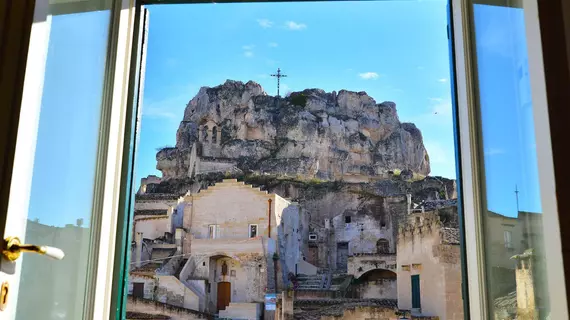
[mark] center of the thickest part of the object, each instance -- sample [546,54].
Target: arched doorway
[224,295]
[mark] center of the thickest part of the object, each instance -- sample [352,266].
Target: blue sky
[506,110]
[393,50]
[62,184]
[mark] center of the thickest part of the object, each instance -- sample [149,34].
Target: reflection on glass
[513,223]
[64,167]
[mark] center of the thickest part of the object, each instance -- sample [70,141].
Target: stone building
[218,250]
[73,239]
[517,266]
[429,267]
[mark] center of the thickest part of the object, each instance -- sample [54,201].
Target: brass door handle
[12,249]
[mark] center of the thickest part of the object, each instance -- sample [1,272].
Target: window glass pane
[513,232]
[63,180]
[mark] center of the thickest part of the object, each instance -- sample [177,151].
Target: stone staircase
[241,311]
[312,282]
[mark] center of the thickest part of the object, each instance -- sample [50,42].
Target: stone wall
[149,284]
[372,218]
[173,292]
[157,308]
[376,289]
[363,263]
[233,206]
[365,313]
[362,233]
[422,251]
[211,165]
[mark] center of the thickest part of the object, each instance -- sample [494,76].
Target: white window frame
[256,230]
[107,196]
[508,237]
[470,166]
[213,231]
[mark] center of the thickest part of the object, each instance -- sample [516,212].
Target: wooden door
[138,290]
[416,296]
[313,256]
[224,291]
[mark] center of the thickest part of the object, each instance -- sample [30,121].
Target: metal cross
[517,197]
[278,75]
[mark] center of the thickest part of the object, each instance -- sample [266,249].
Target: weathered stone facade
[231,237]
[150,308]
[428,247]
[326,182]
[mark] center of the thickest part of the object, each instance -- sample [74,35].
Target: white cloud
[439,112]
[170,108]
[442,80]
[265,23]
[171,62]
[284,88]
[438,154]
[292,25]
[248,50]
[442,108]
[273,44]
[271,62]
[157,112]
[369,75]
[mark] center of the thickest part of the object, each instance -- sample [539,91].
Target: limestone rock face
[311,134]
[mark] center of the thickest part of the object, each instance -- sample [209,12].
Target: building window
[214,231]
[508,239]
[347,219]
[138,290]
[252,230]
[383,246]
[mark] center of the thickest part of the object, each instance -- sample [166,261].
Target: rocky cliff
[310,134]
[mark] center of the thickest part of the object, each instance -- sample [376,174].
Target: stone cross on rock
[278,75]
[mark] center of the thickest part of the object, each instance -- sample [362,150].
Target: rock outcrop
[310,134]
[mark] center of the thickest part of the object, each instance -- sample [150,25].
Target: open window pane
[302,147]
[61,199]
[513,232]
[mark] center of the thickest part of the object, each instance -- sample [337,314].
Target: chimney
[138,250]
[178,238]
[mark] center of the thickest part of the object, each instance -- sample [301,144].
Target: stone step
[242,306]
[241,311]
